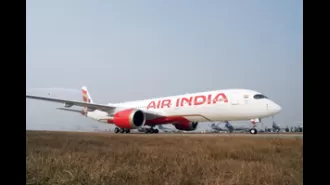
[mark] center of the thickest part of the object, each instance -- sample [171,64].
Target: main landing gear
[148,130]
[122,130]
[151,130]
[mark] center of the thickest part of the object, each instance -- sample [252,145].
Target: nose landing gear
[253,129]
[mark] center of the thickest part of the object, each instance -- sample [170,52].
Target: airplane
[167,130]
[217,128]
[276,127]
[241,129]
[185,112]
[229,128]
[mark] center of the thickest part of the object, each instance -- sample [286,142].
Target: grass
[133,159]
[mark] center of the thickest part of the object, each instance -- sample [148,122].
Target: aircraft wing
[70,103]
[70,110]
[91,106]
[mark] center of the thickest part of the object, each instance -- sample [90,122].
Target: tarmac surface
[259,135]
[161,134]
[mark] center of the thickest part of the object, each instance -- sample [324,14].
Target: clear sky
[127,50]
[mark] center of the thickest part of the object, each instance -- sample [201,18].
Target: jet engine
[187,126]
[129,118]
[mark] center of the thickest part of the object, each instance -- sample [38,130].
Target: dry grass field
[110,159]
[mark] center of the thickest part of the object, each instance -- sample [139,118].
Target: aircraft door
[246,99]
[235,99]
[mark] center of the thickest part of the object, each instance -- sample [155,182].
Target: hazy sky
[127,50]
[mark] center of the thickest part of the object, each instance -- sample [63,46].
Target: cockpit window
[259,96]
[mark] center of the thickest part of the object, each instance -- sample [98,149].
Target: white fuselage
[232,104]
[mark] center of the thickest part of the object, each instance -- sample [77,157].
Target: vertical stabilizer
[86,96]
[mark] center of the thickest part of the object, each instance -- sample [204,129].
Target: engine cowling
[187,126]
[129,118]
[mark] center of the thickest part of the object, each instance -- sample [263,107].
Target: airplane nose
[277,108]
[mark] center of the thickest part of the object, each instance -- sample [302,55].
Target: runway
[251,135]
[259,135]
[140,134]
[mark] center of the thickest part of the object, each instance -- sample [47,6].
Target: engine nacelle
[129,118]
[187,126]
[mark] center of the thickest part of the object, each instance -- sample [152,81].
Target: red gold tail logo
[85,96]
[86,100]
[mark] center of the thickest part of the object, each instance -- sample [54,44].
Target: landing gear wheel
[127,130]
[122,130]
[253,131]
[150,131]
[146,131]
[116,130]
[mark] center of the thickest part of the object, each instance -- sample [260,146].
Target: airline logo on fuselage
[188,101]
